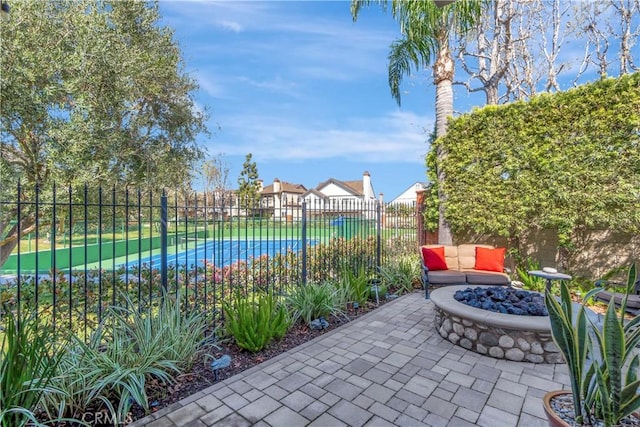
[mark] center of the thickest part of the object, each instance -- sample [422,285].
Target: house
[408,196]
[401,211]
[282,199]
[340,196]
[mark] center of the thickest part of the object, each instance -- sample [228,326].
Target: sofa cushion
[633,301]
[467,256]
[490,259]
[433,258]
[450,255]
[446,277]
[477,277]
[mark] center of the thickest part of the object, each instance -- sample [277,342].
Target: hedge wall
[566,161]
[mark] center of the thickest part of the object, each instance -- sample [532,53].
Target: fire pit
[517,337]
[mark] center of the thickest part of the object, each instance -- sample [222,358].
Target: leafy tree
[91,91]
[215,173]
[248,185]
[427,27]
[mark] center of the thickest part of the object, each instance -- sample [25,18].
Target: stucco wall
[596,251]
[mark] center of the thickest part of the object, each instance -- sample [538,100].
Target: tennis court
[221,253]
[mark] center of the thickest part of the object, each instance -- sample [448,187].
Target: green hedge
[565,161]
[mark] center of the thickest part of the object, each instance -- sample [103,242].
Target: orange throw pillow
[434,258]
[490,259]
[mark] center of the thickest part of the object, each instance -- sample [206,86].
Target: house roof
[354,187]
[285,187]
[357,186]
[316,193]
[410,190]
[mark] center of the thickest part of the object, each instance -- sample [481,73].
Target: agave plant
[602,361]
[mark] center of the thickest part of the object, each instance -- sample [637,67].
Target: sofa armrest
[604,284]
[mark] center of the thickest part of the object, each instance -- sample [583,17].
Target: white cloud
[323,47]
[231,26]
[277,85]
[394,137]
[295,88]
[208,84]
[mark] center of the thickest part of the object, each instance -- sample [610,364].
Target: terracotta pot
[552,417]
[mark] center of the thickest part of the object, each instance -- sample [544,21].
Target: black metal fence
[74,253]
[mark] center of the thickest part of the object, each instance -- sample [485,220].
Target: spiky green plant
[29,357]
[128,348]
[572,338]
[602,362]
[529,282]
[401,273]
[255,320]
[313,301]
[354,284]
[613,377]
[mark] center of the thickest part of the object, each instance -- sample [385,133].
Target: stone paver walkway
[389,367]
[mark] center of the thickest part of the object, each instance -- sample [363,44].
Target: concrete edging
[502,336]
[443,299]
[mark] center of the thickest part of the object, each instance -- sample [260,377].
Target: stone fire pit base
[503,336]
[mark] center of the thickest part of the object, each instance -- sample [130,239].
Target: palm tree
[426,28]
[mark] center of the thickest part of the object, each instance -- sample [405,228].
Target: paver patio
[389,367]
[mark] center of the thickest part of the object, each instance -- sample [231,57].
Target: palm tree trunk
[443,70]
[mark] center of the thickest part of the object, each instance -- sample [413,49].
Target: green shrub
[401,273]
[529,282]
[354,285]
[313,301]
[127,349]
[382,292]
[254,321]
[29,358]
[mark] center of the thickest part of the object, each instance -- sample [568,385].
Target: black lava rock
[506,300]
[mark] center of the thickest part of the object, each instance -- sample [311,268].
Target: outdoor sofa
[633,300]
[468,264]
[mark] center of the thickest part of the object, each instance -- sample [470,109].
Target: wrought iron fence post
[18,264]
[52,242]
[303,237]
[37,263]
[163,243]
[379,237]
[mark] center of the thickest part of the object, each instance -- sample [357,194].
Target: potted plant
[602,361]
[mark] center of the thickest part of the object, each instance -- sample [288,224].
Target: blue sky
[304,89]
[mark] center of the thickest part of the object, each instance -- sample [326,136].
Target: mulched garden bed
[202,376]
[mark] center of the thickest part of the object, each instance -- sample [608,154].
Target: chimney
[367,190]
[276,186]
[259,181]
